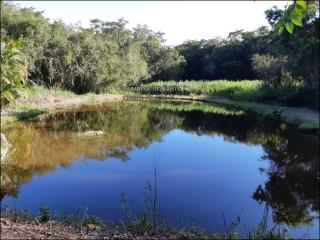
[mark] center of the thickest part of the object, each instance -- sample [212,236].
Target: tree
[13,70]
[272,69]
[108,53]
[32,28]
[89,59]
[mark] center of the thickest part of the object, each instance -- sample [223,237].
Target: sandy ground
[32,230]
[50,102]
[56,230]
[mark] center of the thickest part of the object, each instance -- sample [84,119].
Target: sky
[179,20]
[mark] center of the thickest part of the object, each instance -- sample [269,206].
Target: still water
[208,159]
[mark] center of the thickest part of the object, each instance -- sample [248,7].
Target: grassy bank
[246,94]
[33,101]
[245,90]
[241,94]
[303,118]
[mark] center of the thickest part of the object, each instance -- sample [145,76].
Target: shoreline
[24,109]
[19,224]
[55,229]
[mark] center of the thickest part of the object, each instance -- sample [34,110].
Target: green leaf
[289,26]
[296,21]
[280,29]
[298,11]
[302,4]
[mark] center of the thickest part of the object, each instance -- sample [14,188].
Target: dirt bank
[33,230]
[58,230]
[53,102]
[304,118]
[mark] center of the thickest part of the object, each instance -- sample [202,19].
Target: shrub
[274,70]
[44,213]
[13,70]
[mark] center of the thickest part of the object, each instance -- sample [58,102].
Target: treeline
[88,59]
[109,54]
[282,60]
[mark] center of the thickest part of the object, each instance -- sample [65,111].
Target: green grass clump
[231,89]
[44,213]
[42,91]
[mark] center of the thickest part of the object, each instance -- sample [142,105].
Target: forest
[108,54]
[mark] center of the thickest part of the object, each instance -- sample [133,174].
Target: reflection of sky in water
[198,176]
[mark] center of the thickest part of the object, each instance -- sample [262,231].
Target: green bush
[13,70]
[44,213]
[273,70]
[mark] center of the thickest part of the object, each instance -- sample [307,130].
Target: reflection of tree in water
[43,146]
[293,177]
[8,185]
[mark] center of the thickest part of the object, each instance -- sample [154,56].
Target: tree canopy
[88,59]
[108,53]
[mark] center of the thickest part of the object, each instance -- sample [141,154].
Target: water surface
[208,158]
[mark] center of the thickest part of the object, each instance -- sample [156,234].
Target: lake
[207,159]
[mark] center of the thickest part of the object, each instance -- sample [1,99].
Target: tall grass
[245,90]
[42,91]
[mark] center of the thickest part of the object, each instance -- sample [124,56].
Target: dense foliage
[13,70]
[88,59]
[292,16]
[281,59]
[109,54]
